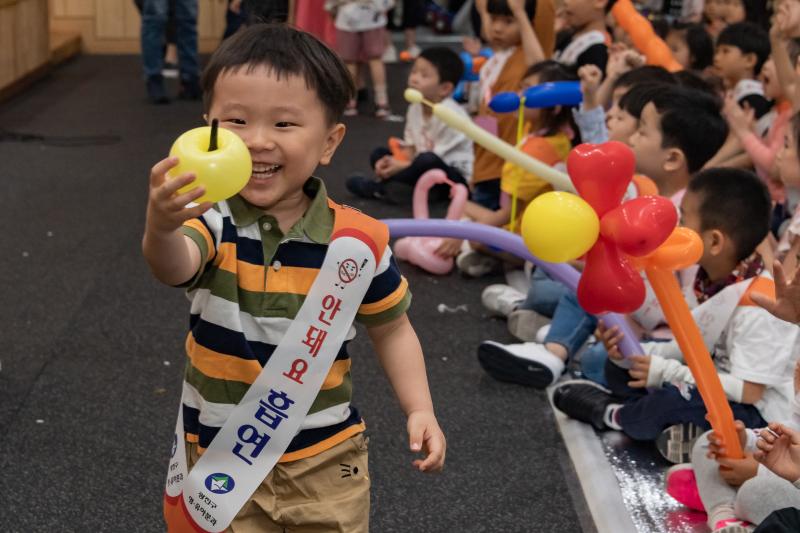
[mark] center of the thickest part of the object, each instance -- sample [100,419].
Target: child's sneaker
[475,264]
[364,187]
[682,485]
[527,364]
[583,400]
[525,325]
[501,300]
[384,112]
[676,442]
[733,525]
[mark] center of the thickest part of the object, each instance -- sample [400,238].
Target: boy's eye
[283,124]
[239,121]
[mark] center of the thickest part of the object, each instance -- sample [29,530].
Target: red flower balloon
[601,174]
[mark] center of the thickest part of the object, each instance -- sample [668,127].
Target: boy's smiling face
[285,126]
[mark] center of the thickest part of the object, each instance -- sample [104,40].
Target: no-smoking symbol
[348,270]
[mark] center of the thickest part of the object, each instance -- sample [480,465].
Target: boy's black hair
[633,101]
[699,42]
[500,7]
[735,202]
[284,51]
[447,63]
[750,39]
[645,74]
[692,80]
[691,121]
[756,11]
[553,119]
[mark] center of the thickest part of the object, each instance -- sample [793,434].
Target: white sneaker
[529,364]
[475,264]
[414,52]
[524,324]
[501,300]
[390,54]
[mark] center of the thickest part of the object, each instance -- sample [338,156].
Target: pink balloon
[420,251]
[601,173]
[609,282]
[641,225]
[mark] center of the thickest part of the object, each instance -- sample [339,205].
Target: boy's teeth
[265,168]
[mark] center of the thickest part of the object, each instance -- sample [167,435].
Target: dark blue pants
[420,165]
[645,415]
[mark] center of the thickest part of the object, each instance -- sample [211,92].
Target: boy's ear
[716,242]
[750,60]
[675,160]
[332,141]
[205,118]
[446,88]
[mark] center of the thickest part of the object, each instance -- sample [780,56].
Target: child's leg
[544,294]
[487,194]
[421,164]
[378,72]
[570,328]
[764,494]
[378,154]
[593,363]
[718,497]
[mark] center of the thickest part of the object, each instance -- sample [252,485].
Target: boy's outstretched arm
[400,355]
[173,258]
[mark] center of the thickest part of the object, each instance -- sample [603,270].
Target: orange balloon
[654,49]
[681,249]
[396,147]
[644,185]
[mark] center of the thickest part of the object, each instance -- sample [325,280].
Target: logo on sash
[220,483]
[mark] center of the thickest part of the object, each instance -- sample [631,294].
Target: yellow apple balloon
[218,157]
[559,227]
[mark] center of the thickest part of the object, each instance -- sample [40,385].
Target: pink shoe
[682,486]
[733,525]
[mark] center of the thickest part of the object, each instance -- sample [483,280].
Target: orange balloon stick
[682,249]
[654,49]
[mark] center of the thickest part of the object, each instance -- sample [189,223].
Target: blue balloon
[468,66]
[504,102]
[511,243]
[553,93]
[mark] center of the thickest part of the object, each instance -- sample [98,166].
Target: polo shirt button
[276,265]
[267,226]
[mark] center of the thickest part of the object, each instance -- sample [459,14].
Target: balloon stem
[212,143]
[520,125]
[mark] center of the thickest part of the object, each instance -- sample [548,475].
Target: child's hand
[426,436]
[590,76]
[235,6]
[715,447]
[622,59]
[449,248]
[482,6]
[786,305]
[740,120]
[780,454]
[517,7]
[737,471]
[610,337]
[471,45]
[639,370]
[166,210]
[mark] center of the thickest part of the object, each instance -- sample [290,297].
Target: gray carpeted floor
[92,353]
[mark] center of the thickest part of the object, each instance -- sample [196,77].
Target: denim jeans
[154,20]
[571,325]
[544,294]
[593,363]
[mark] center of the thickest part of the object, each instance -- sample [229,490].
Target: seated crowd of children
[720,139]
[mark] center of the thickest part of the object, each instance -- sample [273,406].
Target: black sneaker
[583,400]
[190,89]
[523,364]
[676,442]
[155,90]
[365,188]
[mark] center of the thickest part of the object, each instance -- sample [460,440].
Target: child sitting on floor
[428,142]
[678,131]
[753,351]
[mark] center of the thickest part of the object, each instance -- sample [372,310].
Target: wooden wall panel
[7,67]
[24,39]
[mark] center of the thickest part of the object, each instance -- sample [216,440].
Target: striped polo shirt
[251,286]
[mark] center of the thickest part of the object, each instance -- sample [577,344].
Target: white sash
[260,428]
[714,314]
[578,45]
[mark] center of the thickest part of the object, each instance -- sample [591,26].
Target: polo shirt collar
[316,223]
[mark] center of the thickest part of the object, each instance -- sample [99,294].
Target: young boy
[429,142]
[678,131]
[248,264]
[741,51]
[753,351]
[589,41]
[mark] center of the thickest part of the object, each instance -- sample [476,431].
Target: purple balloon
[511,243]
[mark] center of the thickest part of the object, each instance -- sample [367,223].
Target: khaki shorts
[324,493]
